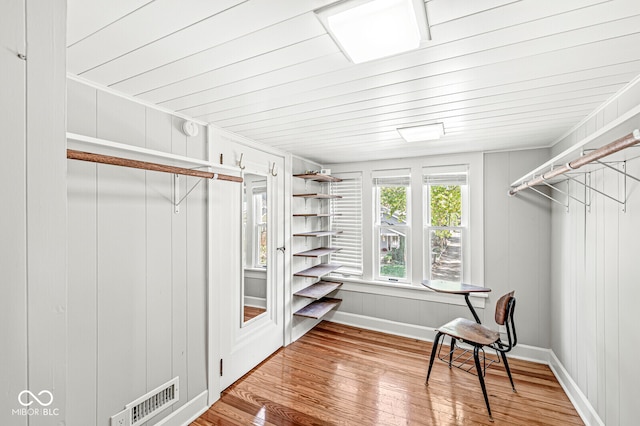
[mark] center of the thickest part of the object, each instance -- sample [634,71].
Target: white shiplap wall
[33,225]
[594,278]
[137,270]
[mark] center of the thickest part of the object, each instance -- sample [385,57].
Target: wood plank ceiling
[500,74]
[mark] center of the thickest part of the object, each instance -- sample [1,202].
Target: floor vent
[149,405]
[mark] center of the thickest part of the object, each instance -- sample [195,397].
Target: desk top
[454,288]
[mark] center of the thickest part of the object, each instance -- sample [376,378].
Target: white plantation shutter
[348,219]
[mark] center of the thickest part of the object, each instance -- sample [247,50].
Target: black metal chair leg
[506,367]
[481,378]
[433,355]
[453,346]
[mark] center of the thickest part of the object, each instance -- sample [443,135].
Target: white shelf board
[81,142]
[107,147]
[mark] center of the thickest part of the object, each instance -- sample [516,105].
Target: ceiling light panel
[370,29]
[422,133]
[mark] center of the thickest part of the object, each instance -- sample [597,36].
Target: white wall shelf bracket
[622,202]
[566,206]
[176,193]
[585,203]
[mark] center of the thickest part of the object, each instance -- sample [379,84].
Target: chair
[479,336]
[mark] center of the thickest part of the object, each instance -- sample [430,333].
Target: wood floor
[340,375]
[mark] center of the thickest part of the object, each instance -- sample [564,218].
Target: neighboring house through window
[392,230]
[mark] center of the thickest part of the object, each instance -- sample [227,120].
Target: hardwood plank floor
[341,375]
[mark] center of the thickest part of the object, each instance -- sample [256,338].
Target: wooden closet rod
[611,148]
[117,161]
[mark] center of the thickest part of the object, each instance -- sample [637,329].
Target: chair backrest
[504,316]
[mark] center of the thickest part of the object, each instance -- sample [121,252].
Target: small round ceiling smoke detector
[190,128]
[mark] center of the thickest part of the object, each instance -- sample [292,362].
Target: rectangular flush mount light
[370,29]
[422,133]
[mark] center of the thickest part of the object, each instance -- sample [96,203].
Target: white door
[251,276]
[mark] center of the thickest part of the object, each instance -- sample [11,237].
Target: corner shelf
[318,196]
[317,177]
[317,304]
[318,290]
[318,271]
[317,252]
[318,309]
[316,233]
[315,214]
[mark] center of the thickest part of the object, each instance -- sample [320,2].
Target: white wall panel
[82,290]
[120,120]
[159,212]
[197,286]
[594,278]
[144,321]
[629,295]
[613,343]
[13,226]
[122,307]
[179,288]
[46,203]
[81,109]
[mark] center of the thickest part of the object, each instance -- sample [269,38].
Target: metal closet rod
[124,162]
[611,148]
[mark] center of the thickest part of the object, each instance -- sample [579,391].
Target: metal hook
[273,170]
[239,162]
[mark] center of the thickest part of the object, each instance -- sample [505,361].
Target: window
[254,222]
[347,217]
[260,226]
[446,222]
[392,228]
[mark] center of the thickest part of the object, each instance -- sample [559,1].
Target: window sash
[456,175]
[391,179]
[399,229]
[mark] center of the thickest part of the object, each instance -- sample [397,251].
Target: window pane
[393,253]
[260,219]
[446,254]
[445,205]
[392,205]
[262,244]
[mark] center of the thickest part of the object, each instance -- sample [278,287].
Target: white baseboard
[255,302]
[523,352]
[576,396]
[188,412]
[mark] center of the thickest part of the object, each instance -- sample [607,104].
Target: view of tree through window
[445,231]
[260,203]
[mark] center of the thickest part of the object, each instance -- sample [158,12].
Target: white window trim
[414,289]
